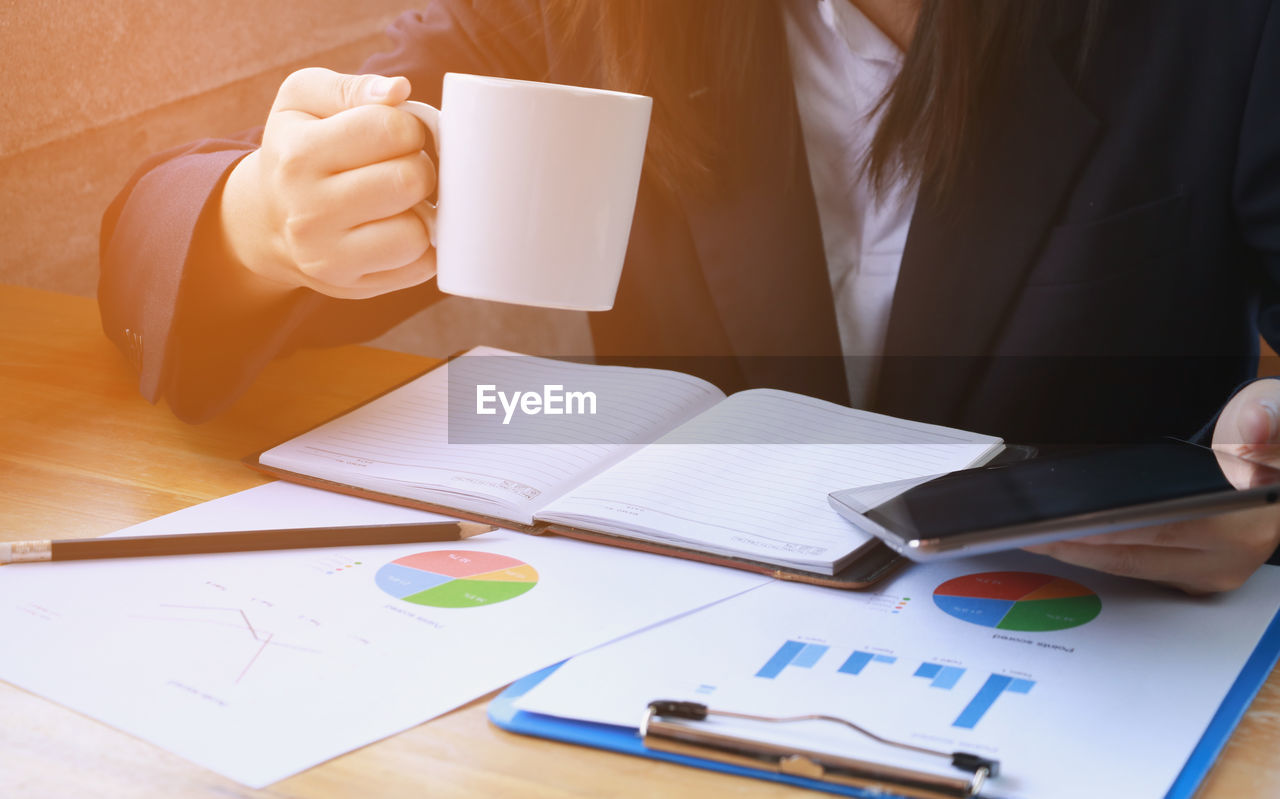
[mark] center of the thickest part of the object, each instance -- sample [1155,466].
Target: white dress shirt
[843,64]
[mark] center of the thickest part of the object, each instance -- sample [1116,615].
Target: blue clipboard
[503,713]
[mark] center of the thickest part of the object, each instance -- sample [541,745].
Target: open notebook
[668,458]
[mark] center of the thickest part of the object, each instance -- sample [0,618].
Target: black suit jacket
[1098,273]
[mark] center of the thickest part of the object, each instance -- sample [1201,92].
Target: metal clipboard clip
[662,729]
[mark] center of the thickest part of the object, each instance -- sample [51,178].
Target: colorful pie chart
[1021,601]
[456,578]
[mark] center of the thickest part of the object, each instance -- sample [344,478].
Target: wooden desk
[81,455]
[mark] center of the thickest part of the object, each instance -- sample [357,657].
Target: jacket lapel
[761,256]
[965,262]
[760,249]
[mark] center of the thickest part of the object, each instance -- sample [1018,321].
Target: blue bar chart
[894,673]
[940,676]
[858,661]
[987,695]
[792,653]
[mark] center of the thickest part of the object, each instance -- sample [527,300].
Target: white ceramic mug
[536,189]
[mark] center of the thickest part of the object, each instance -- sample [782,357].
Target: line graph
[233,618]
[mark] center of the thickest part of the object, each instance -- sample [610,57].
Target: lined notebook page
[751,476]
[399,444]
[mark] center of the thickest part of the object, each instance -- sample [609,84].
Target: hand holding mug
[326,201]
[538,187]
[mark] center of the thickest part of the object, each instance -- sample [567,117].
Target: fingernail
[381,87]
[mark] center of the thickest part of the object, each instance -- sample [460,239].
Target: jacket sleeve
[1257,178]
[160,248]
[1257,181]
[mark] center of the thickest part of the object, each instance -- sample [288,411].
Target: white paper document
[259,665]
[1080,684]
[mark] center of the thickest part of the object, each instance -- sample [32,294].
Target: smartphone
[1050,498]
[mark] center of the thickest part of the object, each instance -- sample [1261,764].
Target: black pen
[236,541]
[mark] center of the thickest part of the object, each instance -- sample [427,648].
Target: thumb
[1249,428]
[322,93]
[1259,422]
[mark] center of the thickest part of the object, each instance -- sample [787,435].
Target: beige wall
[92,87]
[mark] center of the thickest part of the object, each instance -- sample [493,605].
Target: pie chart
[1021,601]
[456,578]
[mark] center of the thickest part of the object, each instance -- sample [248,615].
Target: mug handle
[430,116]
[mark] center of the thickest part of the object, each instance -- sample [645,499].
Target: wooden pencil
[235,541]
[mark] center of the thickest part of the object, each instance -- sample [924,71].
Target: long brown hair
[710,64]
